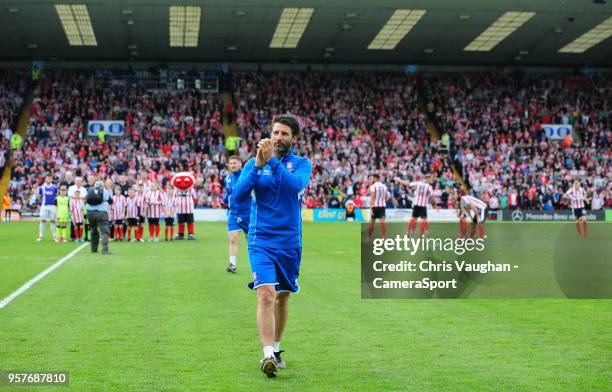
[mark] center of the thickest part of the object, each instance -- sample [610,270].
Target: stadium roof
[334,31]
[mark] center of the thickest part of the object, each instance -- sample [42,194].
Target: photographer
[98,200]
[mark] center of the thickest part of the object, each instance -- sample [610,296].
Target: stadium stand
[494,121]
[355,124]
[165,131]
[12,89]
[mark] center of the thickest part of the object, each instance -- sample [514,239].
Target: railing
[203,81]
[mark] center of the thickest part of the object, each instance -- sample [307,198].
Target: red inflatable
[183,180]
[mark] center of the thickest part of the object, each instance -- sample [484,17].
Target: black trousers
[98,220]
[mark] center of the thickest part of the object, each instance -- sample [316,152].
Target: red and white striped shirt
[131,207]
[140,201]
[146,185]
[422,193]
[513,200]
[169,209]
[184,201]
[76,210]
[379,191]
[153,200]
[474,202]
[577,197]
[118,207]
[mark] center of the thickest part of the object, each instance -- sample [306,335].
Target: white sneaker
[156,240]
[280,363]
[133,240]
[65,241]
[39,239]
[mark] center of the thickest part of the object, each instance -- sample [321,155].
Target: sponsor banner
[14,216]
[111,128]
[442,215]
[557,131]
[210,215]
[25,216]
[397,214]
[364,213]
[307,215]
[338,215]
[329,214]
[391,215]
[494,215]
[548,216]
[433,215]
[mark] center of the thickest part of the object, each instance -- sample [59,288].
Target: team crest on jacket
[289,166]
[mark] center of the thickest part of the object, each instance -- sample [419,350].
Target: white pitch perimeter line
[38,277]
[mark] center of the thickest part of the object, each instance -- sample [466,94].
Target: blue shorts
[237,223]
[278,267]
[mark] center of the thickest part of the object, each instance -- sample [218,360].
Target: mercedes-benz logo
[517,215]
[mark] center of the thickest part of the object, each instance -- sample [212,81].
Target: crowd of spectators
[354,125]
[165,131]
[494,123]
[13,85]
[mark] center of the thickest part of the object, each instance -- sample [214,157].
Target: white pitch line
[38,277]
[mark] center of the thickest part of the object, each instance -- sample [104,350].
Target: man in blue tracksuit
[238,213]
[276,179]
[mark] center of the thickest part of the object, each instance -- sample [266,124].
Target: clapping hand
[259,159]
[264,152]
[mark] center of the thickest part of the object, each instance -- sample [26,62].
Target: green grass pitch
[167,317]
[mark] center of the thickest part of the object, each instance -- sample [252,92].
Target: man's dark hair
[376,177]
[290,121]
[236,157]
